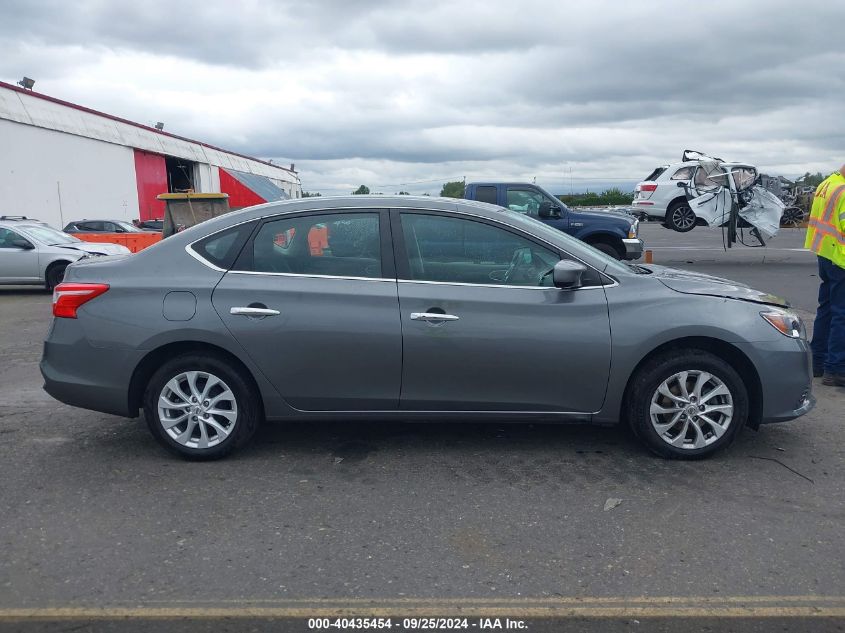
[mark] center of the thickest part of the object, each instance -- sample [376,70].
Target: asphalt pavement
[97,523]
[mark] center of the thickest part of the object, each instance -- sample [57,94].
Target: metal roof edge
[112,117]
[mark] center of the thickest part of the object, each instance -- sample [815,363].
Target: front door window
[456,250]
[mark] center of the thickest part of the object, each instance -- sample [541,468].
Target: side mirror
[24,244]
[567,274]
[545,210]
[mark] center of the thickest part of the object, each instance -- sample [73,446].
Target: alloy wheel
[197,409]
[691,409]
[683,217]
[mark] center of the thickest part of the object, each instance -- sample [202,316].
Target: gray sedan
[415,309]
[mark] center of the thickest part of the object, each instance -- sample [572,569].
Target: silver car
[32,253]
[415,309]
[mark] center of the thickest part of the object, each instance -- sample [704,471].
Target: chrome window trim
[310,276]
[200,258]
[462,212]
[462,283]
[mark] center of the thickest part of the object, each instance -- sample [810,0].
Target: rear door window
[486,193]
[333,244]
[684,173]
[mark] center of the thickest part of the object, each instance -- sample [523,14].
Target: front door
[314,303]
[17,264]
[483,327]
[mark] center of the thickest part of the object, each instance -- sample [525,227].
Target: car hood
[692,283]
[96,248]
[618,215]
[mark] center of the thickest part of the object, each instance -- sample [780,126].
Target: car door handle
[432,316]
[253,312]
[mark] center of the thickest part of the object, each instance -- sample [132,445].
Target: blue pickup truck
[613,233]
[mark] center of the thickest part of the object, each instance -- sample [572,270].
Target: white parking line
[714,248]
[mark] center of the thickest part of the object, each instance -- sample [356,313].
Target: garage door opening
[180,175]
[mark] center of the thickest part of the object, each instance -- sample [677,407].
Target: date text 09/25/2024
[416,624]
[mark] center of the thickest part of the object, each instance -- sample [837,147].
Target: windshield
[49,235]
[128,227]
[571,244]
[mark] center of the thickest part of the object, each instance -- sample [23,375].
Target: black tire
[679,217]
[645,383]
[607,249]
[55,274]
[249,411]
[792,217]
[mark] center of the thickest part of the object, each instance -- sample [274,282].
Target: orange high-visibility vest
[826,227]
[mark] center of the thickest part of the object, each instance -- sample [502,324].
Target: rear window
[655,174]
[221,249]
[486,194]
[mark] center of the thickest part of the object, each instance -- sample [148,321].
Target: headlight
[632,232]
[786,322]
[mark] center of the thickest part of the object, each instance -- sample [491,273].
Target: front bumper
[786,378]
[633,248]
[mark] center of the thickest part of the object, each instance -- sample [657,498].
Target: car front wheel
[55,275]
[197,406]
[607,249]
[687,405]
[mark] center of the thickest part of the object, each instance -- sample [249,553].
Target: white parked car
[659,197]
[32,253]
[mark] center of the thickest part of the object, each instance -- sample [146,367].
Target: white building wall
[38,167]
[32,110]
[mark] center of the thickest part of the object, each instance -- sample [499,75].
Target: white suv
[659,196]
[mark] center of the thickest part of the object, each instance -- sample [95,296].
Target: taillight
[68,297]
[645,191]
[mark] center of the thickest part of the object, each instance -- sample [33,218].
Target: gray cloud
[410,87]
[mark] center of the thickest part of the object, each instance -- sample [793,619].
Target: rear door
[313,301]
[483,327]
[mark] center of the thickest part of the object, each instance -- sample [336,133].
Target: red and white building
[61,162]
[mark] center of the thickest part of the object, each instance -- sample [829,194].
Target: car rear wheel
[197,406]
[687,404]
[680,217]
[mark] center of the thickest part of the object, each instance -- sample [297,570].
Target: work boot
[818,372]
[833,380]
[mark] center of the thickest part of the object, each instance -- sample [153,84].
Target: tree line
[455,189]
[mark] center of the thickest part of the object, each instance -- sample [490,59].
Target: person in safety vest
[826,238]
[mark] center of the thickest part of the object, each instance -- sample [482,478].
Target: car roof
[17,224]
[348,204]
[98,220]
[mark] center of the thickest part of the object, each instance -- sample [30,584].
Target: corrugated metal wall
[58,177]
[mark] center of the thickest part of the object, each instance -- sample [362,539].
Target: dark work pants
[829,329]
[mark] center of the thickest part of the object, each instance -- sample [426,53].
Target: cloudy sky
[405,95]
